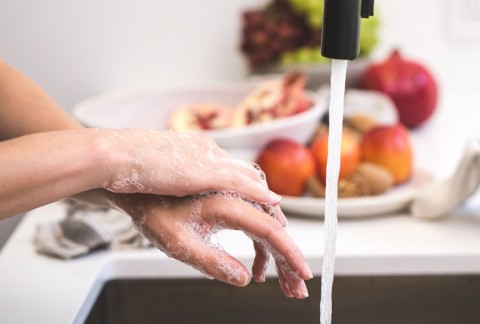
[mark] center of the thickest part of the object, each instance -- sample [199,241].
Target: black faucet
[341,27]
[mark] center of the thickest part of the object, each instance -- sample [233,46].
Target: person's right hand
[179,164]
[183,227]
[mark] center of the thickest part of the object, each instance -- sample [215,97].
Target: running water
[337,93]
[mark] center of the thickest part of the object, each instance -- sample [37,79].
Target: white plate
[151,108]
[394,200]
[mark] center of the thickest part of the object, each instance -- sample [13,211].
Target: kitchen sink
[368,299]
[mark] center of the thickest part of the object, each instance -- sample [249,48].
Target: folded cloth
[85,229]
[438,199]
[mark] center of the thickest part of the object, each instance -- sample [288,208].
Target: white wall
[79,48]
[76,49]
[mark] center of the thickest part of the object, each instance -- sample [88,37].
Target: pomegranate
[409,84]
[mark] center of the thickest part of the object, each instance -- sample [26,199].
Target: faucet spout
[341,27]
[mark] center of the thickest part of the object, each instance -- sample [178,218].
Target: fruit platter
[394,200]
[377,173]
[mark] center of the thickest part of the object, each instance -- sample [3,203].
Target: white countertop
[37,288]
[34,286]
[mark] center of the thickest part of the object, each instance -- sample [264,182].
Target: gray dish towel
[85,229]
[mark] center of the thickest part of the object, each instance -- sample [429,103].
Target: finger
[246,179]
[190,241]
[284,285]
[217,263]
[280,216]
[261,227]
[209,259]
[260,262]
[219,179]
[292,286]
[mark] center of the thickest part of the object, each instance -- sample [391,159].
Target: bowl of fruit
[239,117]
[377,173]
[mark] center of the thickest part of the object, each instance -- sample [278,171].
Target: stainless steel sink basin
[406,299]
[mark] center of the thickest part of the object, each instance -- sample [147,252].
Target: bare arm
[40,168]
[26,163]
[46,155]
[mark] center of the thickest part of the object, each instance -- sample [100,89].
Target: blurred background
[78,49]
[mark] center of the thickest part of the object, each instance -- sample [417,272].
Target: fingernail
[308,272]
[290,293]
[243,279]
[260,278]
[303,290]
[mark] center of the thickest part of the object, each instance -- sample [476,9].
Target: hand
[182,227]
[179,164]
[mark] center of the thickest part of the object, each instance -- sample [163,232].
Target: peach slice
[198,117]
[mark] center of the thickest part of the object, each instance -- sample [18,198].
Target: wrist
[107,199]
[113,161]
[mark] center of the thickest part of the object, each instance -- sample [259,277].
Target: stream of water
[337,93]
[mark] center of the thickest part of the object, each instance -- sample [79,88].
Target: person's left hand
[182,227]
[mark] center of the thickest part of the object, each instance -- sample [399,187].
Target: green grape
[315,20]
[312,10]
[369,35]
[303,55]
[298,5]
[288,58]
[314,6]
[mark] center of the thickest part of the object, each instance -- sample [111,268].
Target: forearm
[25,108]
[41,168]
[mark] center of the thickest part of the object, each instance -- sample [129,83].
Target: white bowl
[151,109]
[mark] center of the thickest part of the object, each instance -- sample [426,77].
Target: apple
[350,155]
[287,165]
[390,147]
[409,84]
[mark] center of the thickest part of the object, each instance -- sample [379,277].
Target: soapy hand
[179,164]
[183,227]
